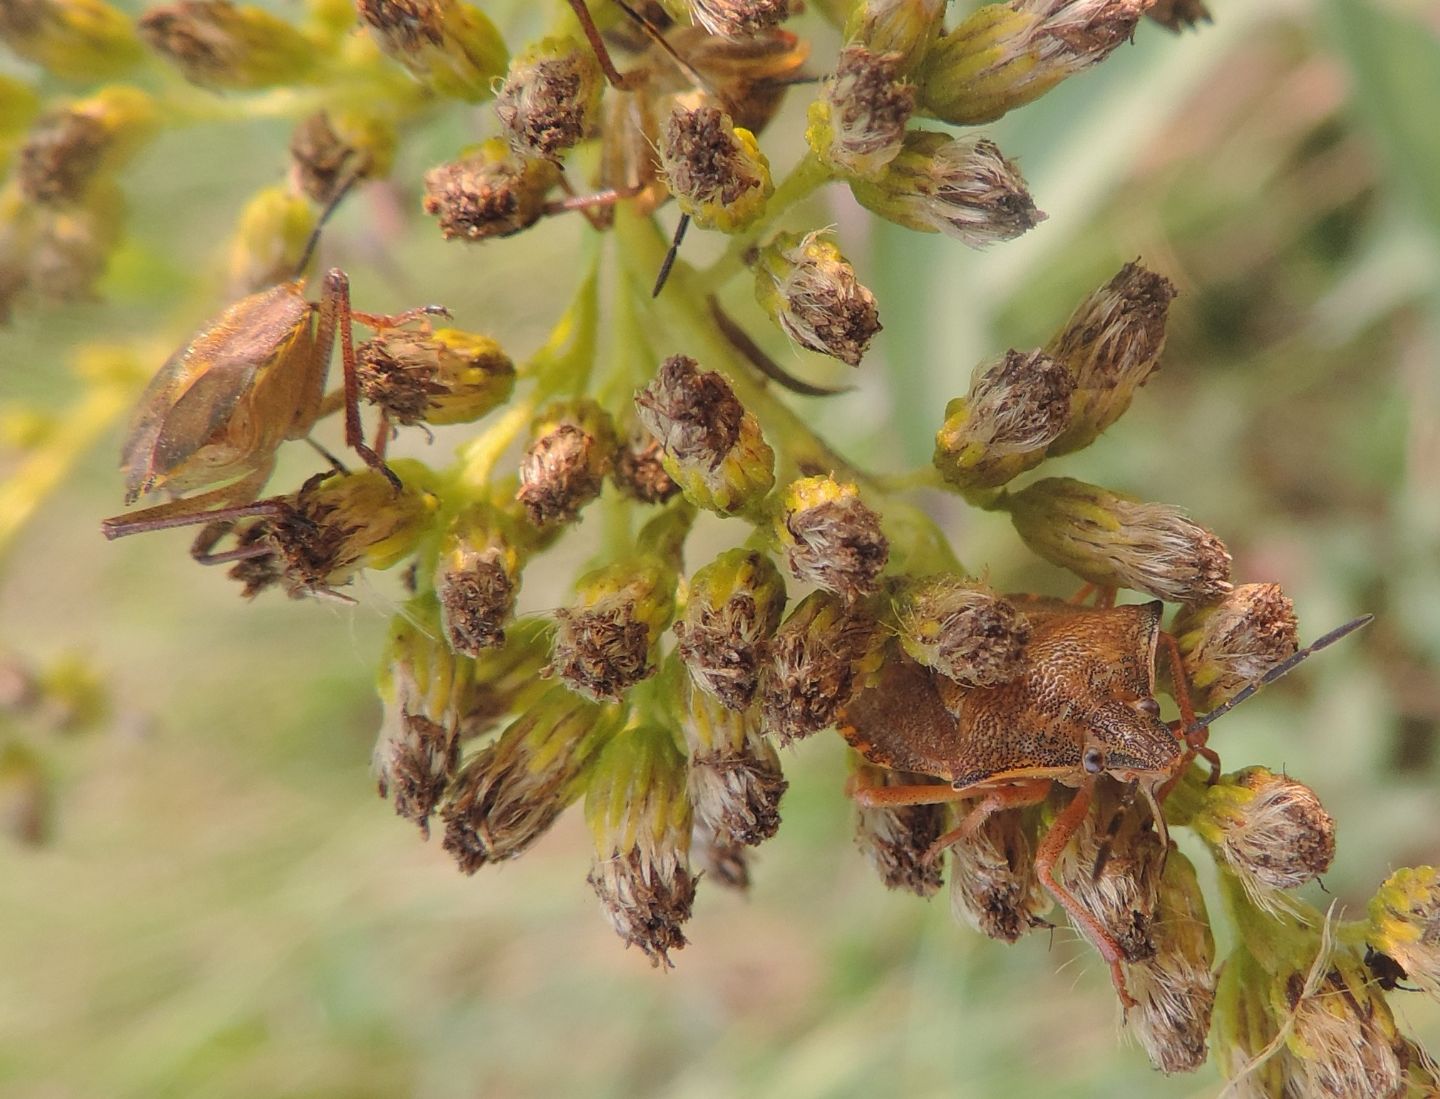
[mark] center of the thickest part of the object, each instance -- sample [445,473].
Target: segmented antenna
[351,178]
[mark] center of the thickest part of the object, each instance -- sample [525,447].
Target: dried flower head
[857,126]
[639,470]
[712,445]
[810,290]
[331,147]
[734,606]
[714,168]
[962,630]
[1015,408]
[963,188]
[1111,345]
[815,663]
[735,780]
[605,643]
[1404,924]
[218,44]
[1117,541]
[1271,831]
[550,100]
[639,814]
[895,841]
[1175,989]
[573,445]
[477,577]
[1230,644]
[488,193]
[1006,55]
[507,794]
[830,538]
[420,685]
[70,146]
[993,884]
[441,377]
[448,45]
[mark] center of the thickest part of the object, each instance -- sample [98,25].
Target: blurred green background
[223,908]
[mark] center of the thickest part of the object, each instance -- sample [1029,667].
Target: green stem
[804,178]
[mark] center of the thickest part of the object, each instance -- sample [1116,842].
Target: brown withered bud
[810,290]
[858,123]
[490,193]
[1175,989]
[734,778]
[605,641]
[506,795]
[564,467]
[993,884]
[830,538]
[60,156]
[895,840]
[1178,15]
[1113,867]
[726,863]
[813,665]
[551,98]
[415,375]
[738,17]
[327,150]
[714,169]
[734,605]
[1270,830]
[962,630]
[640,474]
[1228,645]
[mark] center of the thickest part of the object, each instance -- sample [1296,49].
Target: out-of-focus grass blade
[1395,63]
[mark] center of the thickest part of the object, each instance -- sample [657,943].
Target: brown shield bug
[1082,706]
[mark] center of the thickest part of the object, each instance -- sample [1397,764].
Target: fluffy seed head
[894,840]
[963,188]
[441,377]
[1230,644]
[735,780]
[857,125]
[733,608]
[963,630]
[715,169]
[489,193]
[1015,407]
[830,538]
[810,290]
[1117,541]
[814,665]
[993,884]
[551,98]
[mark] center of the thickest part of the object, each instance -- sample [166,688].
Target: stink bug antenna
[1283,668]
[351,178]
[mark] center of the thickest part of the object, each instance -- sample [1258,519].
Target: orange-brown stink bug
[248,380]
[1083,705]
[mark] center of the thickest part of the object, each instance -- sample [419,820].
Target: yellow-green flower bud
[1015,408]
[219,44]
[19,104]
[815,662]
[735,780]
[1228,645]
[895,840]
[74,39]
[269,240]
[329,148]
[551,98]
[962,629]
[732,17]
[420,684]
[488,193]
[1111,345]
[857,126]
[606,642]
[993,884]
[830,538]
[506,680]
[447,376]
[906,28]
[1270,830]
[1405,926]
[572,446]
[1175,989]
[70,146]
[810,291]
[25,795]
[448,45]
[963,188]
[1245,1028]
[712,445]
[1005,55]
[335,526]
[734,606]
[714,168]
[507,794]
[477,578]
[640,817]
[1118,541]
